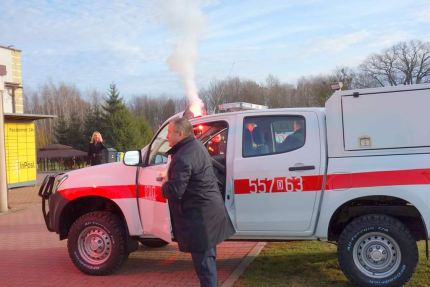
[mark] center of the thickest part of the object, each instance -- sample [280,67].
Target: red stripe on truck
[378,178]
[334,181]
[278,184]
[263,185]
[115,192]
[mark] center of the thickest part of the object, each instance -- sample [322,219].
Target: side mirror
[132,158]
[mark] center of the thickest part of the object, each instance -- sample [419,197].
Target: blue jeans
[205,267]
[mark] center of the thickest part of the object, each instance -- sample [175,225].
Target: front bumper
[52,203]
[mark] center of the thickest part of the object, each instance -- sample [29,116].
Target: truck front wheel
[377,250]
[97,243]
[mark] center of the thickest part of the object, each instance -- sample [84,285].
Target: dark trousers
[205,267]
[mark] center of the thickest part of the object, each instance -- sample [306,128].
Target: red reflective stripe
[312,182]
[378,178]
[241,186]
[151,192]
[114,192]
[352,180]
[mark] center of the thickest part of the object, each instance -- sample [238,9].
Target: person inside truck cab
[296,139]
[254,140]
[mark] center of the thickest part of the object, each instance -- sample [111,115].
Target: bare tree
[232,90]
[314,90]
[277,94]
[154,110]
[213,96]
[402,64]
[344,75]
[61,100]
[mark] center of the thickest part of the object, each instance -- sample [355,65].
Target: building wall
[17,78]
[20,137]
[11,58]
[6,59]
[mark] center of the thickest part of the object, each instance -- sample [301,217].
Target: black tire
[377,250]
[97,243]
[153,242]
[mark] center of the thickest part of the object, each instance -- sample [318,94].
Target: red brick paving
[32,256]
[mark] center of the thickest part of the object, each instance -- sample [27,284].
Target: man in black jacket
[296,139]
[199,217]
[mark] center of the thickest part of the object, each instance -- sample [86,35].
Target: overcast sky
[93,43]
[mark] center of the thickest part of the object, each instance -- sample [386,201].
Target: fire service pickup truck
[356,172]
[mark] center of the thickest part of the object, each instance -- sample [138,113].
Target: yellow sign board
[20,153]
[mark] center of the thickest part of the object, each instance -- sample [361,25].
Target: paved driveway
[32,256]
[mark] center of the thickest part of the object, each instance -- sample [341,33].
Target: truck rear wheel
[97,243]
[377,250]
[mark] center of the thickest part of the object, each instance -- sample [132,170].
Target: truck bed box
[378,119]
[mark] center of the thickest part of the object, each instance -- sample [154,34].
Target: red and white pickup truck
[356,172]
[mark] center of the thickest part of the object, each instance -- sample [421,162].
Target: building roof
[59,151]
[27,117]
[10,47]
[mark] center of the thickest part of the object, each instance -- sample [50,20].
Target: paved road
[32,256]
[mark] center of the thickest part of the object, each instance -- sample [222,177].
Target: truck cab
[240,143]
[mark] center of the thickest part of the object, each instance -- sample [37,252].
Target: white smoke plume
[187,21]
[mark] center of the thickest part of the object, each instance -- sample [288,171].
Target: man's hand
[162,177]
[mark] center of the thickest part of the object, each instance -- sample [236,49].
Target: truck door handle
[303,167]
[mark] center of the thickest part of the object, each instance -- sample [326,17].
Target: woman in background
[95,149]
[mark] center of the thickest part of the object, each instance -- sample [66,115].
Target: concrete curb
[244,264]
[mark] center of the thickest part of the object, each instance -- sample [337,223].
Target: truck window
[159,147]
[214,136]
[271,135]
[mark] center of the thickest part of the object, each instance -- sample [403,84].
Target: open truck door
[153,207]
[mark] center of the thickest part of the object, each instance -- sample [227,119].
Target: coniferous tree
[75,137]
[145,131]
[120,127]
[113,102]
[60,130]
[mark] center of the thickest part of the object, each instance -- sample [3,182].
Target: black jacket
[293,141]
[199,217]
[95,153]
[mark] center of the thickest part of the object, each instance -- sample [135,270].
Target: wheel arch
[82,205]
[396,207]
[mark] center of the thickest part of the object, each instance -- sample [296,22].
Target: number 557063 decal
[268,185]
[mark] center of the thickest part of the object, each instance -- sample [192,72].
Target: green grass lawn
[310,263]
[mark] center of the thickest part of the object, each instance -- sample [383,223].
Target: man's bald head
[178,129]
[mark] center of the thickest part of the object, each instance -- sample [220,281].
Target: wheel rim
[377,255]
[94,245]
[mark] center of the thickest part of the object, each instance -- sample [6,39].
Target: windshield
[159,147]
